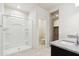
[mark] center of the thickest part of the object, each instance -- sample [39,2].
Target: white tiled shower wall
[16,13]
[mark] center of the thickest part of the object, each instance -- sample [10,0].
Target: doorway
[55,25]
[42,32]
[55,33]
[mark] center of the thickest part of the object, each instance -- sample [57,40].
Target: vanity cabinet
[57,51]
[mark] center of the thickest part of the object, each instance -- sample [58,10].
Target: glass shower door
[15,34]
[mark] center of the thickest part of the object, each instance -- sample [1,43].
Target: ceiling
[49,6]
[26,7]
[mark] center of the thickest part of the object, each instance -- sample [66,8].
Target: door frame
[46,31]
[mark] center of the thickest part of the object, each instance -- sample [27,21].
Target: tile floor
[34,52]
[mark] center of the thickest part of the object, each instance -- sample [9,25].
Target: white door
[15,32]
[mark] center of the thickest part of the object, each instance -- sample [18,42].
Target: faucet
[75,36]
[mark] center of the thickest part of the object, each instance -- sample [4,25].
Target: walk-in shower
[16,34]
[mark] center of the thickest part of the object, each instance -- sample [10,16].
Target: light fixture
[18,7]
[57,15]
[77,4]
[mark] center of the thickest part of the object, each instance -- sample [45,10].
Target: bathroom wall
[14,12]
[56,22]
[66,11]
[71,26]
[33,17]
[1,41]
